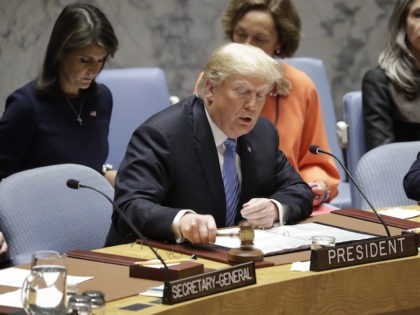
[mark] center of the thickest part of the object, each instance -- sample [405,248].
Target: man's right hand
[198,228]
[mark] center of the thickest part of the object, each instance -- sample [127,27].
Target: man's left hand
[261,212]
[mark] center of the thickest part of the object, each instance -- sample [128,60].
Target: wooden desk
[378,288]
[389,287]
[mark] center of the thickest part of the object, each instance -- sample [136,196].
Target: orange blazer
[299,121]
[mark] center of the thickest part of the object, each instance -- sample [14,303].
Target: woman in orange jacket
[294,107]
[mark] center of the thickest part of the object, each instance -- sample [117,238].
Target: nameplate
[416,232]
[209,283]
[362,252]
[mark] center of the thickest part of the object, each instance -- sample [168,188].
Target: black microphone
[75,184]
[314,149]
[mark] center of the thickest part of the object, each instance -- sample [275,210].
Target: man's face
[234,104]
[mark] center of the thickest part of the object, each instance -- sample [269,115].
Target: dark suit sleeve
[412,181]
[16,132]
[377,109]
[142,185]
[291,191]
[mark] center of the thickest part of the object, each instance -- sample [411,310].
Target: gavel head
[246,234]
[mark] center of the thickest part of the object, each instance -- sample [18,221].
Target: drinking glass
[44,290]
[318,242]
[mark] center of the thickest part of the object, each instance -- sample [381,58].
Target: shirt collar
[218,135]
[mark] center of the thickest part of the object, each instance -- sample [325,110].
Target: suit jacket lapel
[207,154]
[249,173]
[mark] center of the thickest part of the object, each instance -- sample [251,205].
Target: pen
[157,262]
[227,234]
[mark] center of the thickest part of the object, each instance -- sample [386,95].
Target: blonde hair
[235,59]
[396,59]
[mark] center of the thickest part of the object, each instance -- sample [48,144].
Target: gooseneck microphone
[314,149]
[75,184]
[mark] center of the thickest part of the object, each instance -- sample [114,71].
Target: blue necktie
[230,181]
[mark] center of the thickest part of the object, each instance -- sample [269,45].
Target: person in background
[209,161]
[63,115]
[293,106]
[411,180]
[391,90]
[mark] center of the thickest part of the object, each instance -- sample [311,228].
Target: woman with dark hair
[294,106]
[63,115]
[391,98]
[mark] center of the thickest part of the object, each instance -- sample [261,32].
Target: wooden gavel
[245,234]
[246,252]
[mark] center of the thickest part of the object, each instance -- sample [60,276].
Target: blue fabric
[380,173]
[353,115]
[138,93]
[38,211]
[230,181]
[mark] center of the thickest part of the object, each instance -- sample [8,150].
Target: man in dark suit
[171,181]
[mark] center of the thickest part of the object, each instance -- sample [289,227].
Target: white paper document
[400,213]
[11,299]
[300,266]
[285,238]
[14,277]
[154,291]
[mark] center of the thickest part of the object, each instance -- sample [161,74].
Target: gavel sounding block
[246,252]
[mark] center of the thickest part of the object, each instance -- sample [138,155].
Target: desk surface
[383,287]
[376,288]
[388,287]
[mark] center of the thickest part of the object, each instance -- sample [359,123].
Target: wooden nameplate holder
[362,252]
[212,282]
[416,232]
[370,216]
[176,271]
[245,253]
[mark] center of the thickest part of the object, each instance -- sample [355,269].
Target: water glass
[44,290]
[318,242]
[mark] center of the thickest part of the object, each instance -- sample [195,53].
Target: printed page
[286,238]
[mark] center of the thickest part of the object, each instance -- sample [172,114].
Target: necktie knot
[230,145]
